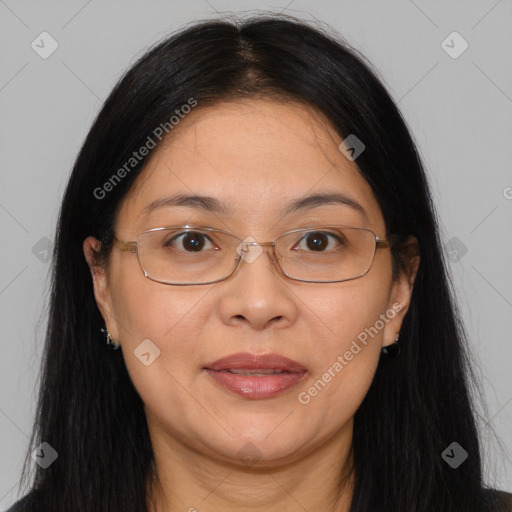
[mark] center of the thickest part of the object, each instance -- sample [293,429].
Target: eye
[319,241]
[191,241]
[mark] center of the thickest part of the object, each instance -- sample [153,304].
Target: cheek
[173,319]
[346,311]
[162,321]
[147,309]
[347,354]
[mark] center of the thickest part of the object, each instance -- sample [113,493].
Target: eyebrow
[322,199]
[210,204]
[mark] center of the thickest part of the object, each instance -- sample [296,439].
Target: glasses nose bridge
[273,254]
[259,243]
[263,244]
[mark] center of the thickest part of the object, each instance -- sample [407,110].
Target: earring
[109,342]
[393,350]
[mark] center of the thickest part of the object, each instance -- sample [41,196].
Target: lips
[256,376]
[246,361]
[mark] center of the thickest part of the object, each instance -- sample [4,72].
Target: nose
[256,294]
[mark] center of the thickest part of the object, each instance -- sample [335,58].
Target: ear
[99,274]
[401,291]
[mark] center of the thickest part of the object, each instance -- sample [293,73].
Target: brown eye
[191,241]
[318,241]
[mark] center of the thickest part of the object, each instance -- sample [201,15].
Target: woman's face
[256,157]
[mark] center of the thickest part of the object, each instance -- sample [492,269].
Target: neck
[187,480]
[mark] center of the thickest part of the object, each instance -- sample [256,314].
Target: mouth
[256,376]
[262,372]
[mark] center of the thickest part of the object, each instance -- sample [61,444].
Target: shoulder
[496,501]
[32,502]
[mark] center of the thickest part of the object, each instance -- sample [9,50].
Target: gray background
[459,110]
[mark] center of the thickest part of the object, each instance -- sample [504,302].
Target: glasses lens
[326,254]
[197,256]
[187,255]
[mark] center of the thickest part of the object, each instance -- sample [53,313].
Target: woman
[248,228]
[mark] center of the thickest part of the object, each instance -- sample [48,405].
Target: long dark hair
[417,405]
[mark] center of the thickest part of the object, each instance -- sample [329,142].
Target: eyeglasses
[188,255]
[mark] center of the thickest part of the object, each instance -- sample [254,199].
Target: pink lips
[256,376]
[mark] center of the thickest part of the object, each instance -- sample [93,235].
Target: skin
[255,155]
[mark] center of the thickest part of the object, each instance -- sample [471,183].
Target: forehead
[255,156]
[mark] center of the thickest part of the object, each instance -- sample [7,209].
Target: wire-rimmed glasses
[190,255]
